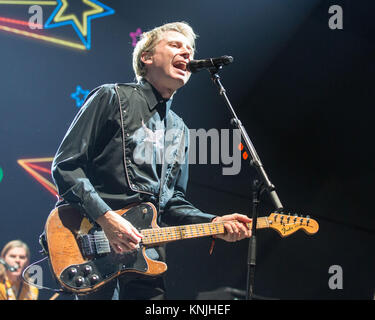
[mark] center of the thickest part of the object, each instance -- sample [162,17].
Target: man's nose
[185,53]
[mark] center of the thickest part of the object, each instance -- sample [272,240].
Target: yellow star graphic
[59,17]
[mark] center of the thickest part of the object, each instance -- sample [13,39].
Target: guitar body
[80,256]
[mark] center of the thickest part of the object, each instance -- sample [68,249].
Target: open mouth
[181,65]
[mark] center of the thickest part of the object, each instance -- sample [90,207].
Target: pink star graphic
[134,36]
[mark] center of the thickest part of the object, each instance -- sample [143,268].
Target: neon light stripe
[44,38]
[39,168]
[44,182]
[37,160]
[20,22]
[44,3]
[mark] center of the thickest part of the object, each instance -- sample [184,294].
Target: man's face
[166,66]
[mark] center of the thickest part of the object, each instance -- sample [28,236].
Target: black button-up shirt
[126,146]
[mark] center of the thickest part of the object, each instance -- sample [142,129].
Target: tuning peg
[308,220]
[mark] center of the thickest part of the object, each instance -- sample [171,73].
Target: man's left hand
[235,227]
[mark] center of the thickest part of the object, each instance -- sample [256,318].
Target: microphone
[198,65]
[7,266]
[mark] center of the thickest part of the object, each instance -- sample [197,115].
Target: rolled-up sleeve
[71,164]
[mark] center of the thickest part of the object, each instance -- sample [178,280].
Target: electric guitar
[82,260]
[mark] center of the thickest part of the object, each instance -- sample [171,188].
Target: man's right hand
[122,235]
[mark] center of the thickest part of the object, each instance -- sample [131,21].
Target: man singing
[127,146]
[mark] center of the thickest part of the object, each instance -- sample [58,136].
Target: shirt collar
[153,97]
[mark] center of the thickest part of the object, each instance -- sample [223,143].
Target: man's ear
[146,57]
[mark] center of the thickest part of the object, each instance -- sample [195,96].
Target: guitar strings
[172,233]
[159,235]
[175,233]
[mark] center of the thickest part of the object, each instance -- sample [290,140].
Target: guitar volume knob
[87,269]
[72,272]
[79,281]
[94,279]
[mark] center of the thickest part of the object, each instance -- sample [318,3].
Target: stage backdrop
[301,83]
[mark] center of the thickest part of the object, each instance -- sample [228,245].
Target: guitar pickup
[87,246]
[92,244]
[101,243]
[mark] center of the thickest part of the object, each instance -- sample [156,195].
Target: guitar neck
[169,234]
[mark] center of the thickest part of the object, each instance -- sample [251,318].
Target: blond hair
[150,39]
[10,245]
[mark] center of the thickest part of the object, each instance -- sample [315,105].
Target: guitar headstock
[286,224]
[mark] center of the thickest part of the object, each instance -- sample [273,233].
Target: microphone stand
[258,186]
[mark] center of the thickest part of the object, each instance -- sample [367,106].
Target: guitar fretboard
[168,234]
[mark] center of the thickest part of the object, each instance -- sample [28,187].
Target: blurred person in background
[14,258]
